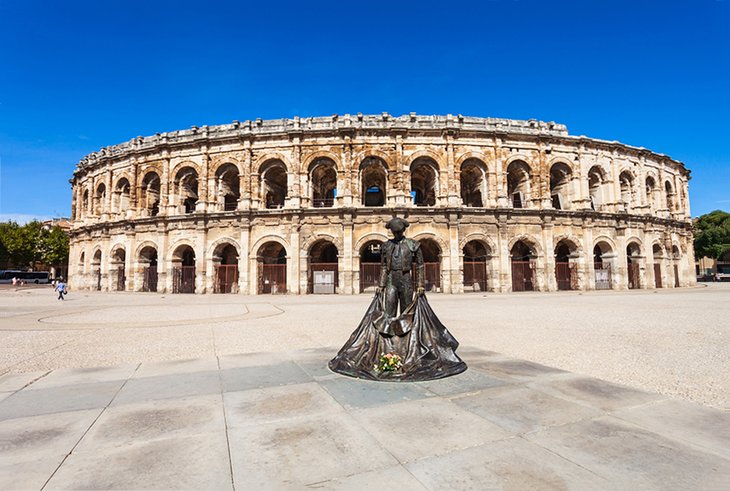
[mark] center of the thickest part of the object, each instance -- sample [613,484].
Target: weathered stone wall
[505,185]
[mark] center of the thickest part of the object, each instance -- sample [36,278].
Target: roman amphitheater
[299,206]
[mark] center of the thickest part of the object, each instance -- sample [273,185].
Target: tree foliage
[24,246]
[712,234]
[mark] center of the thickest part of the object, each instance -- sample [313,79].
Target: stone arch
[386,158]
[432,249]
[143,245]
[122,194]
[651,187]
[529,240]
[657,249]
[369,261]
[314,238]
[262,161]
[227,185]
[323,257]
[184,261]
[175,170]
[272,261]
[598,191]
[274,178]
[473,182]
[218,162]
[96,261]
[427,154]
[150,192]
[516,157]
[627,185]
[442,244]
[482,157]
[425,177]
[311,158]
[575,242]
[148,257]
[322,173]
[186,186]
[372,236]
[373,181]
[567,253]
[634,263]
[117,266]
[519,176]
[476,259]
[100,198]
[608,240]
[178,244]
[523,254]
[221,242]
[560,181]
[269,238]
[669,195]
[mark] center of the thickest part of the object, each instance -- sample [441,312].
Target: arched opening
[658,254]
[150,194]
[651,193]
[96,269]
[473,179]
[670,195]
[323,179]
[121,195]
[432,265]
[424,178]
[118,259]
[148,260]
[602,265]
[518,183]
[272,268]
[370,265]
[322,274]
[676,256]
[84,204]
[566,274]
[560,176]
[523,267]
[626,182]
[274,180]
[100,199]
[476,255]
[596,179]
[82,262]
[373,176]
[228,186]
[633,257]
[183,270]
[186,189]
[225,265]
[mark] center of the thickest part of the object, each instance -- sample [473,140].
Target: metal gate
[432,276]
[121,279]
[183,279]
[149,279]
[657,275]
[523,274]
[272,278]
[676,276]
[633,276]
[603,276]
[226,278]
[566,276]
[98,280]
[321,267]
[475,275]
[369,275]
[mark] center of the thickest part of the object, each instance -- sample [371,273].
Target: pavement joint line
[225,422]
[90,426]
[607,479]
[28,384]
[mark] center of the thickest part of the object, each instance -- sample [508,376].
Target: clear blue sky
[78,76]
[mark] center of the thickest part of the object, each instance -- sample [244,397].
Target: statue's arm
[383,266]
[420,268]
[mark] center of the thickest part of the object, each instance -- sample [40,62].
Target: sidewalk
[282,420]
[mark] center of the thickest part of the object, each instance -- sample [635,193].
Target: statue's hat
[397,224]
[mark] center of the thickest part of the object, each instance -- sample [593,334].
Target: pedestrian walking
[61,289]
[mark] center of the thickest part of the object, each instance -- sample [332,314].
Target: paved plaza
[599,390]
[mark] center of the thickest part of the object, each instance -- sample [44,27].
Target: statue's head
[397,226]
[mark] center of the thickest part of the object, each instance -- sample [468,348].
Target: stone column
[453,266]
[505,264]
[589,269]
[347,252]
[167,201]
[244,258]
[293,258]
[549,281]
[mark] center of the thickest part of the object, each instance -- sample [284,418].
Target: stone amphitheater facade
[299,205]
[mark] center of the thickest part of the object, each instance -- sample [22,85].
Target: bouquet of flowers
[389,362]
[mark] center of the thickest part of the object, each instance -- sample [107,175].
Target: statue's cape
[428,349]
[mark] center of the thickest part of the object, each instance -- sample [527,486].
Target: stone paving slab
[283,421]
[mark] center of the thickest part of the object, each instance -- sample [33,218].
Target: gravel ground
[674,342]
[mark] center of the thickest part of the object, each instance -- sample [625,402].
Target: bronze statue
[399,344]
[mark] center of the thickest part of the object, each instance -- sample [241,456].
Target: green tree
[712,234]
[54,247]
